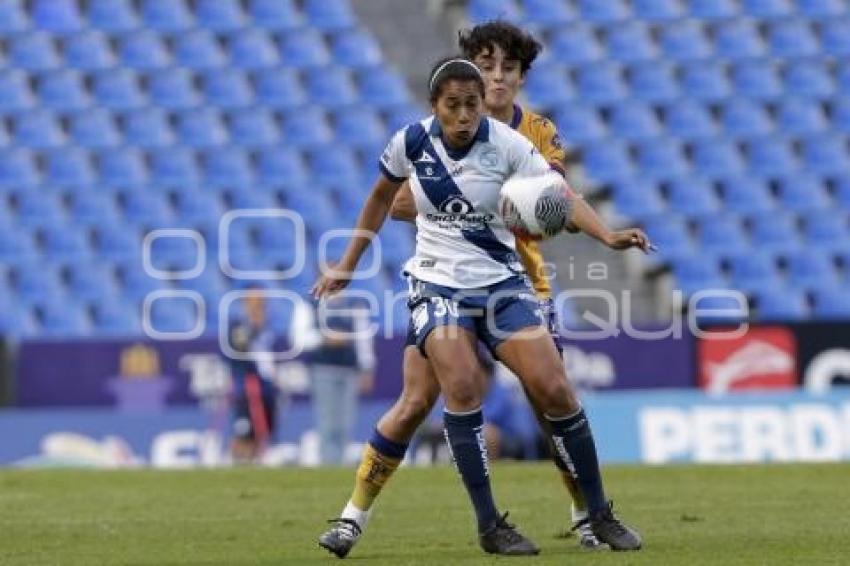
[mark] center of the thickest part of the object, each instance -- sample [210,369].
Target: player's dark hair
[516,43]
[452,68]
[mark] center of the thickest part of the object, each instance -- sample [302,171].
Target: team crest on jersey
[489,158]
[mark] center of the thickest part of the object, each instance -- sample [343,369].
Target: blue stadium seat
[843,78]
[657,10]
[219,15]
[399,116]
[601,83]
[774,230]
[809,79]
[13,17]
[64,243]
[115,318]
[798,116]
[487,10]
[37,129]
[825,9]
[770,157]
[280,89]
[306,127]
[35,209]
[780,304]
[90,207]
[756,80]
[713,10]
[194,207]
[17,168]
[826,154]
[809,269]
[94,128]
[333,164]
[141,207]
[174,166]
[56,16]
[801,192]
[721,233]
[226,166]
[281,165]
[174,254]
[653,82]
[331,87]
[360,127]
[122,166]
[835,37]
[575,45]
[717,158]
[661,159]
[33,51]
[697,272]
[383,88]
[275,15]
[356,49]
[166,15]
[826,228]
[198,49]
[752,270]
[603,11]
[630,42]
[842,192]
[172,89]
[706,81]
[88,51]
[35,281]
[61,319]
[548,86]
[637,198]
[134,282]
[62,90]
[792,39]
[832,304]
[227,89]
[304,49]
[118,89]
[173,315]
[143,50]
[689,120]
[114,242]
[581,122]
[670,235]
[685,41]
[111,15]
[16,245]
[329,15]
[252,49]
[69,166]
[201,127]
[691,196]
[547,13]
[253,127]
[607,160]
[15,94]
[767,9]
[738,39]
[147,127]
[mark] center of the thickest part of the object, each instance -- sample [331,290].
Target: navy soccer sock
[465,437]
[574,445]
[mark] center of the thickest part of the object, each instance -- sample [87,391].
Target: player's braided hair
[455,67]
[516,43]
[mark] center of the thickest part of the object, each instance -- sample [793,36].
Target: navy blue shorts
[492,313]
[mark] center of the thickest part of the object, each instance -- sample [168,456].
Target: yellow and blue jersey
[541,132]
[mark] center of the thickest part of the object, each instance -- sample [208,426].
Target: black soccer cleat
[586,539]
[341,537]
[504,538]
[610,530]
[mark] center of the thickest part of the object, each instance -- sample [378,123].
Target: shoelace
[349,525]
[511,534]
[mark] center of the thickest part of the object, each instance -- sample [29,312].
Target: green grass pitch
[780,514]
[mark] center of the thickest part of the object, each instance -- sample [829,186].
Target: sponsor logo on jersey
[426,158]
[458,211]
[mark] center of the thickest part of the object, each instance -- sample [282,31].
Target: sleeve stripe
[389,175]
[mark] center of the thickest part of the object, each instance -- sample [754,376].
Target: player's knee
[462,393]
[413,409]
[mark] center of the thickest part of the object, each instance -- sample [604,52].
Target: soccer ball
[536,207]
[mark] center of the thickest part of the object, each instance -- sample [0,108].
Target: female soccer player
[468,285]
[504,53]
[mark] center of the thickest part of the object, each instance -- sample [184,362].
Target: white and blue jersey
[461,239]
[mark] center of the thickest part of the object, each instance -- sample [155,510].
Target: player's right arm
[404,207]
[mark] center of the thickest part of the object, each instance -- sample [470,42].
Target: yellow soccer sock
[374,471]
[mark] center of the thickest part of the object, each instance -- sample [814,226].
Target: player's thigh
[453,356]
[531,354]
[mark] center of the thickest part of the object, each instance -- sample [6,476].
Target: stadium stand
[119,117]
[720,125]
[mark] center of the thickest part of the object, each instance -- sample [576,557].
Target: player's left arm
[584,218]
